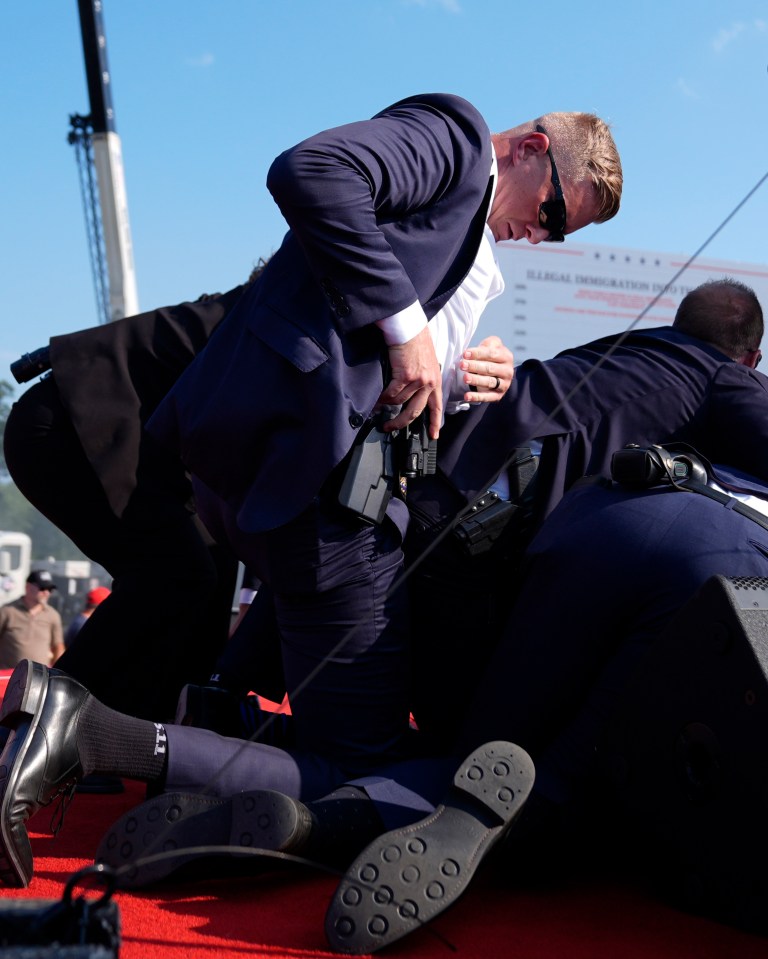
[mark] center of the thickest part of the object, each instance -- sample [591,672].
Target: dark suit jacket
[383,213]
[608,570]
[657,386]
[110,379]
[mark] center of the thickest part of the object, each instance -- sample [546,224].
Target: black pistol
[420,454]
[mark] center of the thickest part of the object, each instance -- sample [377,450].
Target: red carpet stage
[279,913]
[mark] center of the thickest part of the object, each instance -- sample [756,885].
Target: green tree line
[17,514]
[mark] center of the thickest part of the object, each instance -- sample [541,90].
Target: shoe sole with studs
[174,830]
[410,875]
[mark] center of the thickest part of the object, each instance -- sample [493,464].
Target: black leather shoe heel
[408,876]
[168,833]
[40,761]
[24,693]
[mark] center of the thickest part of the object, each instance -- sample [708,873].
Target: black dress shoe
[408,876]
[175,832]
[40,761]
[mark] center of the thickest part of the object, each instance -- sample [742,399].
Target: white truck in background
[15,565]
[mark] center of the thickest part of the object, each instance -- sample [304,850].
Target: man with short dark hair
[29,627]
[694,382]
[727,315]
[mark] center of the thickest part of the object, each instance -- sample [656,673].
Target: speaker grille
[748,592]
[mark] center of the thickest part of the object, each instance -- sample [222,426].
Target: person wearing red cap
[92,599]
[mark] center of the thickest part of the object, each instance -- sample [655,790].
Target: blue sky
[208,92]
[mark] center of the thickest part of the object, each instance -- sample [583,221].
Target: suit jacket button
[356,420]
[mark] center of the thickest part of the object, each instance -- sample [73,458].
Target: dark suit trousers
[343,627]
[168,615]
[202,761]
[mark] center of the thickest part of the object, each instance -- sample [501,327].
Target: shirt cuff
[404,325]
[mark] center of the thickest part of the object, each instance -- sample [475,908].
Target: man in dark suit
[75,447]
[387,218]
[693,382]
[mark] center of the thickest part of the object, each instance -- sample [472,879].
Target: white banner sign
[560,295]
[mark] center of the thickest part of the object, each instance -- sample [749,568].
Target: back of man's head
[724,313]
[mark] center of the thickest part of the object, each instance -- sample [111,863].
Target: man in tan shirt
[29,627]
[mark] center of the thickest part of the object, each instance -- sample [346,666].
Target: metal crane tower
[102,181]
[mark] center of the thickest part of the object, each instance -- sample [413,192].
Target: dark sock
[111,742]
[343,824]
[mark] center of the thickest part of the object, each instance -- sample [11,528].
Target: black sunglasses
[552,212]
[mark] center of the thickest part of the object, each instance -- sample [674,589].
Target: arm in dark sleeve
[737,431]
[474,446]
[335,188]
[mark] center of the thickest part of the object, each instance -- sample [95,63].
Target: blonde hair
[584,149]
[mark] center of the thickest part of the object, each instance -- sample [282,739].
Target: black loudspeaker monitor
[687,756]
